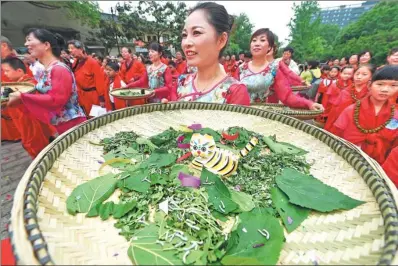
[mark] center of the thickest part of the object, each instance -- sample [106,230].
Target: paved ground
[14,162]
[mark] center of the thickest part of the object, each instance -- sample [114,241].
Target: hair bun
[231,21]
[60,39]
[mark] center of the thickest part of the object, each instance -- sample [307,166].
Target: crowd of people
[358,100]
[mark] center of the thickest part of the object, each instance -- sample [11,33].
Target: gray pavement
[14,161]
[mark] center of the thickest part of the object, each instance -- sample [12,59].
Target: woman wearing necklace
[263,77]
[157,77]
[372,123]
[357,91]
[57,101]
[204,38]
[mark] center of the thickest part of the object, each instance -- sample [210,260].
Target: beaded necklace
[374,130]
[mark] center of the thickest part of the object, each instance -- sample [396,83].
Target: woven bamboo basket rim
[147,94]
[28,241]
[26,84]
[300,88]
[302,114]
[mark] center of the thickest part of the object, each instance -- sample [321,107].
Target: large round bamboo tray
[42,231]
[23,87]
[142,94]
[302,114]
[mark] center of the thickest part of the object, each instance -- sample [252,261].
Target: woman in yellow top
[312,74]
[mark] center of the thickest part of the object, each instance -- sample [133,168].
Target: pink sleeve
[286,95]
[142,82]
[165,91]
[293,78]
[44,106]
[238,94]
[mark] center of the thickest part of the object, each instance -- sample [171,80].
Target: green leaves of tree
[309,192]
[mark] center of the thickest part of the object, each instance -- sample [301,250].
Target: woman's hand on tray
[317,107]
[14,99]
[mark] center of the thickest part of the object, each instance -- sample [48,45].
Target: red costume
[8,129]
[346,98]
[132,71]
[390,166]
[378,144]
[181,67]
[90,82]
[118,104]
[35,135]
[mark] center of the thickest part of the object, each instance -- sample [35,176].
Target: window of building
[165,38]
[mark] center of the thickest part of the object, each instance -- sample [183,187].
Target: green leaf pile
[233,221]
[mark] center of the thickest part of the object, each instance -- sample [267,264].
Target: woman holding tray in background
[263,77]
[157,76]
[57,100]
[204,38]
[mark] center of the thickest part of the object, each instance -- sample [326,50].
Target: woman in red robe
[35,135]
[89,77]
[158,77]
[357,91]
[181,64]
[56,102]
[203,42]
[372,123]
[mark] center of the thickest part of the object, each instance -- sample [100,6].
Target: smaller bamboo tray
[141,94]
[302,114]
[23,87]
[300,88]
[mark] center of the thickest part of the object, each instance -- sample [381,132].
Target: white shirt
[293,66]
[37,69]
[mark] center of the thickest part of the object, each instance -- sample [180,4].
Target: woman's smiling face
[200,42]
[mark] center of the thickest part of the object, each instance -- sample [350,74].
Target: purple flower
[195,126]
[237,188]
[289,220]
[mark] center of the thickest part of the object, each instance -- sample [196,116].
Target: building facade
[345,14]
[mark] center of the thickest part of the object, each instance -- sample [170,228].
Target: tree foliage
[240,34]
[376,30]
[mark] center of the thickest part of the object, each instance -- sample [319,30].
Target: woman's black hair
[15,63]
[336,67]
[386,73]
[65,50]
[393,51]
[326,68]
[218,17]
[364,52]
[271,38]
[156,47]
[346,67]
[313,64]
[171,63]
[372,68]
[346,58]
[114,66]
[248,55]
[55,40]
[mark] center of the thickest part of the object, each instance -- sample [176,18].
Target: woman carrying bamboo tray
[262,75]
[157,77]
[56,103]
